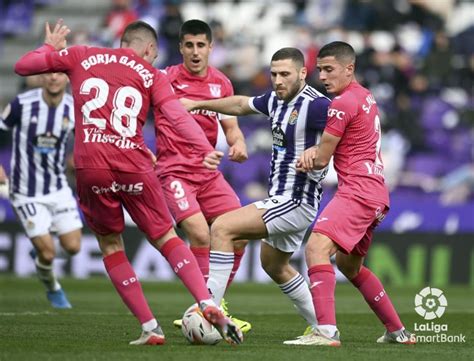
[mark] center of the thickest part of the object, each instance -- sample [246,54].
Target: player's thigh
[287,222]
[66,218]
[242,223]
[197,230]
[180,195]
[35,216]
[143,197]
[217,197]
[99,200]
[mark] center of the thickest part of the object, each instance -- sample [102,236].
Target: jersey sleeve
[162,90]
[46,59]
[11,115]
[64,60]
[260,103]
[317,113]
[340,113]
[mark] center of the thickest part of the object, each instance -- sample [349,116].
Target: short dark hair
[340,50]
[195,27]
[289,53]
[138,30]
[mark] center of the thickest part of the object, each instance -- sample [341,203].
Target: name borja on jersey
[106,59]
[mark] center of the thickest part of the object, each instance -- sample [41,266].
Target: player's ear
[303,73]
[350,68]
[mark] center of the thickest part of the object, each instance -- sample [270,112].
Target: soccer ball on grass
[196,329]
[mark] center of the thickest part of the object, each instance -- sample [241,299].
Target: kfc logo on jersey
[334,112]
[215,90]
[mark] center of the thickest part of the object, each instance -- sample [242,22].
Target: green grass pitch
[99,327]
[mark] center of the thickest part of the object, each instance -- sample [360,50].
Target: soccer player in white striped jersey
[41,121]
[297,113]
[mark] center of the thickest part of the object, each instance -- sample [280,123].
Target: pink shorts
[349,221]
[102,193]
[207,193]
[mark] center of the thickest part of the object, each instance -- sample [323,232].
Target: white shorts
[56,212]
[287,221]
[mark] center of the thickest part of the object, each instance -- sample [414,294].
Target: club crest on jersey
[183,203]
[293,117]
[65,123]
[215,90]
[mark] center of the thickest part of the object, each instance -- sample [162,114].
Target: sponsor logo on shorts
[183,204]
[136,188]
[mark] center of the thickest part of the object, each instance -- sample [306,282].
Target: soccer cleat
[401,336]
[151,338]
[307,331]
[178,323]
[58,299]
[316,338]
[229,331]
[243,325]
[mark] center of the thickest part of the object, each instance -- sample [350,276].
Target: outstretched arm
[233,105]
[235,139]
[36,61]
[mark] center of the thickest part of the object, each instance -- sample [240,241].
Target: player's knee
[320,245]
[220,230]
[240,244]
[200,238]
[73,248]
[46,255]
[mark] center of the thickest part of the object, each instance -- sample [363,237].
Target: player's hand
[152,157]
[238,152]
[3,183]
[213,159]
[188,103]
[307,158]
[57,36]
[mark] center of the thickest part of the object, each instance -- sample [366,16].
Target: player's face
[195,50]
[287,78]
[55,83]
[335,75]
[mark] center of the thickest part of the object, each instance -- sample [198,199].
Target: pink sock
[237,258]
[372,289]
[127,285]
[322,286]
[202,258]
[186,267]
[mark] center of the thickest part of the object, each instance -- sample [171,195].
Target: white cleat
[401,336]
[155,337]
[316,338]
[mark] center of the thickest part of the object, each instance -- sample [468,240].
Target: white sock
[150,325]
[298,292]
[328,330]
[46,275]
[220,267]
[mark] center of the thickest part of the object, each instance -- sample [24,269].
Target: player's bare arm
[233,105]
[235,139]
[212,160]
[318,157]
[57,37]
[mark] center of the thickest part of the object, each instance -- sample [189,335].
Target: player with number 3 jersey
[113,90]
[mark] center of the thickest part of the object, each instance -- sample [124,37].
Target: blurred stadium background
[415,55]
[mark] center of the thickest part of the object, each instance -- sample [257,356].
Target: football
[196,329]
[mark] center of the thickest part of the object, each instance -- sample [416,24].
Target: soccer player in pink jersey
[197,196]
[113,90]
[353,136]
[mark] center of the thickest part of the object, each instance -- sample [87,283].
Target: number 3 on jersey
[127,104]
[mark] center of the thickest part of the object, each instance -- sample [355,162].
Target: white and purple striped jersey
[296,126]
[40,134]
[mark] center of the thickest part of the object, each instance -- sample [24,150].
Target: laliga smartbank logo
[431,303]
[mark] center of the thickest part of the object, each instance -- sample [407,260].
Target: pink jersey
[353,116]
[113,90]
[172,152]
